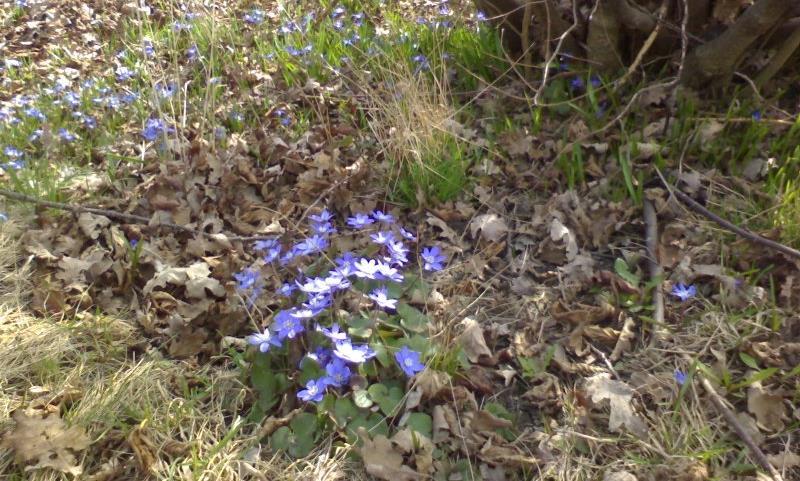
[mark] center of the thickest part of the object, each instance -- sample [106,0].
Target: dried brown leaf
[46,441]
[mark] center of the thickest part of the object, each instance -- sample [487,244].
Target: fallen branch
[651,232]
[130,218]
[751,236]
[655,271]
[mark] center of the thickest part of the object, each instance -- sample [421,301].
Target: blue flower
[246,279]
[323,228]
[680,377]
[432,259]
[165,90]
[178,26]
[480,16]
[389,273]
[192,53]
[155,127]
[286,289]
[409,361]
[318,303]
[254,16]
[314,390]
[683,292]
[287,325]
[594,81]
[408,235]
[382,237]
[312,245]
[66,135]
[35,135]
[90,122]
[123,73]
[380,296]
[264,244]
[148,48]
[576,83]
[72,99]
[398,253]
[444,10]
[756,115]
[346,351]
[421,61]
[322,355]
[35,113]
[334,334]
[366,269]
[338,373]
[357,18]
[12,152]
[283,116]
[338,24]
[338,12]
[322,217]
[380,216]
[263,340]
[360,220]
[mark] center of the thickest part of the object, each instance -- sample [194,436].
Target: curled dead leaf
[767,407]
[472,340]
[601,387]
[382,459]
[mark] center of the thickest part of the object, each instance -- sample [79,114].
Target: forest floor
[199,129]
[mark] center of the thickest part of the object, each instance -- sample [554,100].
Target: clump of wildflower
[155,127]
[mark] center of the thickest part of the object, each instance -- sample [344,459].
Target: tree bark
[715,61]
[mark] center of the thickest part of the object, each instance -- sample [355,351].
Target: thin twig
[131,218]
[729,416]
[751,236]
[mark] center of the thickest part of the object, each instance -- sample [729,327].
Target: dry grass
[146,417]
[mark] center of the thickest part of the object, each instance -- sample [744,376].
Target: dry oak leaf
[601,387]
[45,440]
[90,224]
[382,460]
[472,341]
[492,227]
[195,278]
[767,407]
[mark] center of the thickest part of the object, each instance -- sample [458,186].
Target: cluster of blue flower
[317,294]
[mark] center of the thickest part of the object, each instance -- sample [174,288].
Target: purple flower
[263,340]
[283,116]
[338,12]
[192,53]
[286,289]
[409,361]
[360,220]
[382,237]
[318,303]
[155,127]
[334,334]
[148,48]
[314,390]
[346,351]
[683,292]
[432,259]
[254,16]
[322,217]
[398,253]
[338,373]
[323,228]
[594,81]
[380,296]
[322,355]
[408,235]
[246,279]
[480,16]
[756,115]
[66,135]
[89,122]
[680,377]
[123,73]
[380,216]
[366,268]
[165,90]
[357,18]
[178,26]
[12,152]
[287,325]
[576,83]
[35,113]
